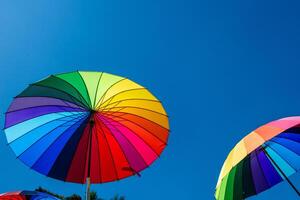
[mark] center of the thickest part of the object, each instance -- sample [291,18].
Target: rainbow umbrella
[262,159]
[26,195]
[86,127]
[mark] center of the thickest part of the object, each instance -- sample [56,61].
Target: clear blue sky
[222,68]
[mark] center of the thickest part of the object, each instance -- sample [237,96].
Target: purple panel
[269,171]
[27,102]
[16,117]
[259,180]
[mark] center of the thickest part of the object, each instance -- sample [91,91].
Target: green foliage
[94,195]
[40,189]
[73,197]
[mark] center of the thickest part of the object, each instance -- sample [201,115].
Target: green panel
[40,91]
[248,184]
[61,85]
[238,182]
[223,188]
[91,80]
[230,184]
[217,193]
[77,82]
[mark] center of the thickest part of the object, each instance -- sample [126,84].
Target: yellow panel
[149,105]
[140,93]
[227,165]
[160,119]
[117,88]
[240,152]
[106,82]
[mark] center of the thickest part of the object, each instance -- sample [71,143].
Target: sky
[221,69]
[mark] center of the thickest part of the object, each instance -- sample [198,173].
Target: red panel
[77,171]
[12,197]
[152,141]
[95,159]
[157,130]
[108,171]
[120,161]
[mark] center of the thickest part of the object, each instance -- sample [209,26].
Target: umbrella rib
[280,155]
[123,91]
[75,89]
[58,119]
[128,142]
[88,155]
[131,99]
[73,157]
[99,156]
[63,100]
[285,146]
[65,110]
[110,152]
[93,106]
[124,113]
[71,96]
[72,120]
[146,143]
[280,170]
[261,169]
[143,139]
[41,106]
[100,100]
[289,139]
[117,142]
[141,127]
[51,146]
[124,107]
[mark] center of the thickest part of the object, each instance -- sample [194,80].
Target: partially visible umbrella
[87,127]
[26,195]
[262,159]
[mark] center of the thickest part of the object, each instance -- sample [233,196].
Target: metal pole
[88,188]
[280,170]
[88,179]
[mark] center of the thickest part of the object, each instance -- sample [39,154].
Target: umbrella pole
[280,170]
[88,179]
[88,187]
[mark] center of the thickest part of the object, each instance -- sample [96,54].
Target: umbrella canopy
[262,159]
[26,195]
[77,125]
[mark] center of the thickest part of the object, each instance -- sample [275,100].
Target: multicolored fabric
[248,170]
[47,127]
[26,195]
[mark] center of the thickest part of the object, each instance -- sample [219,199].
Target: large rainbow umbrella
[86,127]
[262,159]
[26,195]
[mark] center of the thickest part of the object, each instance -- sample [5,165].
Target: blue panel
[284,166]
[291,136]
[25,141]
[289,156]
[20,129]
[45,162]
[30,156]
[294,146]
